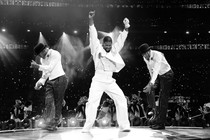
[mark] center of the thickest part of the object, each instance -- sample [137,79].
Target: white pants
[113,90]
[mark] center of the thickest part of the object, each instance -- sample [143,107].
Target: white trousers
[113,90]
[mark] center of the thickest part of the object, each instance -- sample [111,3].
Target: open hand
[126,22]
[38,86]
[34,64]
[148,88]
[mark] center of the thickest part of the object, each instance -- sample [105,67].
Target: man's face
[107,46]
[43,53]
[146,55]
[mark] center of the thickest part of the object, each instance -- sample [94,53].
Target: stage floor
[111,133]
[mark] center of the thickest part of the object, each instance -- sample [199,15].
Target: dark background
[191,67]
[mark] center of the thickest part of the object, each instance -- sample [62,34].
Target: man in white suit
[106,60]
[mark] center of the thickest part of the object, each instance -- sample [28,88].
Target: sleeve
[150,73]
[55,58]
[46,69]
[120,41]
[42,80]
[94,41]
[44,76]
[157,65]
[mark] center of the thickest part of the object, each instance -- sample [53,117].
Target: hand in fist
[38,86]
[126,22]
[91,14]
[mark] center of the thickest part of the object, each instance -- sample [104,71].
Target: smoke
[76,56]
[73,53]
[8,49]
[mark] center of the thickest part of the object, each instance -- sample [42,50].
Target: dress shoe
[125,130]
[158,126]
[85,130]
[50,128]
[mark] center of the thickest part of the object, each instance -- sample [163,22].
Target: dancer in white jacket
[106,60]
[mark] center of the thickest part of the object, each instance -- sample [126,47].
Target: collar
[151,55]
[48,53]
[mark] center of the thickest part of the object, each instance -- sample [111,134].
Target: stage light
[75,32]
[3,30]
[64,122]
[28,30]
[165,32]
[72,122]
[104,122]
[40,123]
[187,32]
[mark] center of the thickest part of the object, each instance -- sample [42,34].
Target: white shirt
[106,63]
[157,65]
[111,61]
[51,66]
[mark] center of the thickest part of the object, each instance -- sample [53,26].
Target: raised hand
[34,64]
[126,22]
[38,86]
[91,14]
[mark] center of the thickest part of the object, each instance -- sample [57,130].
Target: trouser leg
[59,91]
[120,101]
[95,93]
[49,112]
[165,87]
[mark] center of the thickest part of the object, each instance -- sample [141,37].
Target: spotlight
[28,30]
[75,31]
[3,30]
[64,122]
[104,122]
[40,123]
[72,122]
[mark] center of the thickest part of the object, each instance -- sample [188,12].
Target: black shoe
[158,127]
[152,121]
[126,130]
[53,128]
[55,123]
[50,128]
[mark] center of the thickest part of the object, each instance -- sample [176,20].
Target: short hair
[107,39]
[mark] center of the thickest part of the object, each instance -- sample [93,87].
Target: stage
[111,133]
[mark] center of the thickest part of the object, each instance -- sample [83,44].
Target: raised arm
[122,37]
[93,35]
